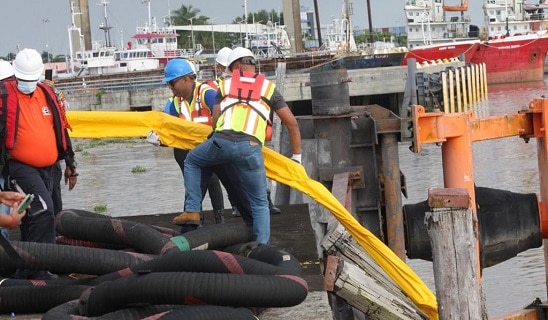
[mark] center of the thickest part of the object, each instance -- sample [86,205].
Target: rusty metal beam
[527,314]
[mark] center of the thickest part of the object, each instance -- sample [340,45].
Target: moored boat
[514,49]
[513,59]
[443,51]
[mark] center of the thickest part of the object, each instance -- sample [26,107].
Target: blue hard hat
[177,68]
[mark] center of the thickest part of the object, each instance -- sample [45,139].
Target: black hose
[36,299]
[69,311]
[208,313]
[213,237]
[194,288]
[268,254]
[67,259]
[231,280]
[208,261]
[82,226]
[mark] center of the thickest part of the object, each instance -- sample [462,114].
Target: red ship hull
[442,51]
[508,60]
[514,59]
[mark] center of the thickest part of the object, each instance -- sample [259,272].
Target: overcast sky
[27,24]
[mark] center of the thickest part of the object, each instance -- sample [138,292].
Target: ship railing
[82,85]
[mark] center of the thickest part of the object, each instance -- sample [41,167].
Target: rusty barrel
[329,92]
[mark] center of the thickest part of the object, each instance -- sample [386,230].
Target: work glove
[296,157]
[153,138]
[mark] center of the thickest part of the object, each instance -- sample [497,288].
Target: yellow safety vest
[196,110]
[248,116]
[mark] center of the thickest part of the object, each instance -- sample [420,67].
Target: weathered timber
[363,284]
[450,225]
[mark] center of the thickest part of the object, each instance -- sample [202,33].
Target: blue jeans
[247,158]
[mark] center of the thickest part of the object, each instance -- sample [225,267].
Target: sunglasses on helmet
[248,61]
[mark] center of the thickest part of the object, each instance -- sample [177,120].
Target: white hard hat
[6,70]
[222,56]
[28,65]
[238,53]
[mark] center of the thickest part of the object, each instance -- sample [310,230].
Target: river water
[507,163]
[133,177]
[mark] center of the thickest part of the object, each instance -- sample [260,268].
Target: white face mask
[27,87]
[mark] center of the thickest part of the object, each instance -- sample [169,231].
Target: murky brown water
[129,177]
[509,164]
[156,186]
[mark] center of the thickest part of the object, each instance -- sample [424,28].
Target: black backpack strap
[3,116]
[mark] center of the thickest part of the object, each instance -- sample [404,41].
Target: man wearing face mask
[36,138]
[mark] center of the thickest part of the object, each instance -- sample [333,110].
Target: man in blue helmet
[241,117]
[192,101]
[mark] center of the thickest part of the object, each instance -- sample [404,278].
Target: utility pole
[47,21]
[246,32]
[317,14]
[371,36]
[192,33]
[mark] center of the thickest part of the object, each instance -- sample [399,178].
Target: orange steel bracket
[538,115]
[452,130]
[457,131]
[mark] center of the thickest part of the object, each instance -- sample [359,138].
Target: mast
[105,27]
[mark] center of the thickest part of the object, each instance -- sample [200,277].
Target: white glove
[153,138]
[296,157]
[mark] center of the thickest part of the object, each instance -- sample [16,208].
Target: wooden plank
[366,294]
[363,284]
[458,289]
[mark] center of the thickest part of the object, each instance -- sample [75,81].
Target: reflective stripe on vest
[196,110]
[249,117]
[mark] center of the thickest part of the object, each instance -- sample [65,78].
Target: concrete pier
[151,94]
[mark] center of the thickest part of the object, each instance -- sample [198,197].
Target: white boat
[432,22]
[154,47]
[505,18]
[161,41]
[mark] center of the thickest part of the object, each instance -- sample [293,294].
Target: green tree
[185,16]
[262,17]
[47,57]
[9,57]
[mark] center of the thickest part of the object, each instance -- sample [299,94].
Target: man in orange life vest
[240,121]
[36,138]
[221,68]
[192,101]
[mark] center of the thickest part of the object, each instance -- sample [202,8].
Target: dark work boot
[273,209]
[218,214]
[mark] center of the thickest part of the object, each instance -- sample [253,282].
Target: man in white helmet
[37,122]
[241,117]
[221,64]
[6,70]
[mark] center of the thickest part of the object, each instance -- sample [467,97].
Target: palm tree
[187,15]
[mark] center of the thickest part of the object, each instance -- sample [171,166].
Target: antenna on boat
[246,32]
[105,27]
[147,2]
